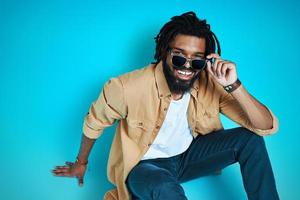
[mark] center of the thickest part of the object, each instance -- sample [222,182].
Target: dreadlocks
[187,24]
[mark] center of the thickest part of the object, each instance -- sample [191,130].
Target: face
[181,80]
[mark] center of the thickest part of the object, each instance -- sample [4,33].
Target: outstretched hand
[71,170]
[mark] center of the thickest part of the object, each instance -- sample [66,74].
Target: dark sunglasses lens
[198,64]
[178,61]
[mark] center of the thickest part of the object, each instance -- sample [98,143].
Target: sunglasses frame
[190,60]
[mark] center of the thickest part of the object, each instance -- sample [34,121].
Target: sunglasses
[179,60]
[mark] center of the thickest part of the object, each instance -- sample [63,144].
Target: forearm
[85,148]
[257,113]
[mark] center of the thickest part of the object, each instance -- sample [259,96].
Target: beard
[177,85]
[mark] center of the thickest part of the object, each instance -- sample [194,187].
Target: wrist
[230,88]
[81,162]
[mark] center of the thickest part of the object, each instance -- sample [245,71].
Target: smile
[184,74]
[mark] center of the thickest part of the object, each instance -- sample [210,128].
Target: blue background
[56,55]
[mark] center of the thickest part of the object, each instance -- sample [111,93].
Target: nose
[188,63]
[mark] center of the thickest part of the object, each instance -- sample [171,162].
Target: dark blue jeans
[160,178]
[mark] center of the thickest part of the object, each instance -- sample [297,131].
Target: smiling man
[169,129]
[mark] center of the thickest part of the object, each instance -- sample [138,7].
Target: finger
[61,170]
[69,163]
[64,174]
[80,181]
[209,68]
[213,55]
[224,69]
[61,167]
[231,65]
[219,68]
[215,65]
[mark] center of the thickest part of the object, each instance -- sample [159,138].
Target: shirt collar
[162,85]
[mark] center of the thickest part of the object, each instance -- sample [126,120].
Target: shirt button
[165,109]
[157,127]
[140,123]
[149,144]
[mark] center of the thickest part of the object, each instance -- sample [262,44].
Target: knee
[168,190]
[252,144]
[256,145]
[160,179]
[164,186]
[254,140]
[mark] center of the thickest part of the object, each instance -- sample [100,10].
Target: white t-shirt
[174,136]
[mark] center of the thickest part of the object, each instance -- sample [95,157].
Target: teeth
[184,72]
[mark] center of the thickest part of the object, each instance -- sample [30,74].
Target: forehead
[189,44]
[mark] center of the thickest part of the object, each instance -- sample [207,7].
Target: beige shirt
[139,101]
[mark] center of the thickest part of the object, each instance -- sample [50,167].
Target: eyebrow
[193,53]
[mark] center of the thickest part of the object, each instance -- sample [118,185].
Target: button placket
[162,115]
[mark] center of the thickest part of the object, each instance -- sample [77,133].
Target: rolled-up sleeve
[109,107]
[232,109]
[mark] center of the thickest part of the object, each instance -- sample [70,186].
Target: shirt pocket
[139,130]
[207,121]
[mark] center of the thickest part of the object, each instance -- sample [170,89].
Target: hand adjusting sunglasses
[179,60]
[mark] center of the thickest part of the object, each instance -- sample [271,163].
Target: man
[169,130]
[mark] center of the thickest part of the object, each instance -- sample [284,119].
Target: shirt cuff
[90,127]
[90,133]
